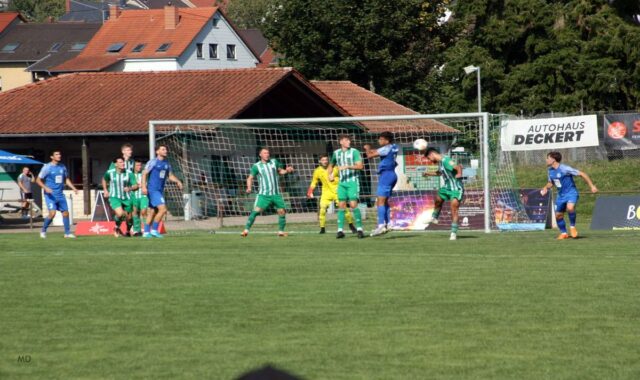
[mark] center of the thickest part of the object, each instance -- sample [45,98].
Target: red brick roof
[94,103]
[135,27]
[358,101]
[6,18]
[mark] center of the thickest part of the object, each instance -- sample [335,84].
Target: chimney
[171,17]
[114,12]
[67,6]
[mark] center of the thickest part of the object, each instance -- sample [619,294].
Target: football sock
[154,226]
[348,216]
[118,222]
[387,214]
[47,221]
[252,218]
[572,219]
[67,225]
[147,228]
[382,215]
[282,222]
[454,228]
[136,223]
[340,219]
[436,213]
[562,225]
[357,216]
[323,216]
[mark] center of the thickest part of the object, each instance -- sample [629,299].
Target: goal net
[214,158]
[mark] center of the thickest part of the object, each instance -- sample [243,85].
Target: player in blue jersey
[154,177]
[561,176]
[52,179]
[387,178]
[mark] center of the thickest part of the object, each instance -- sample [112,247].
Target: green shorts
[348,191]
[264,201]
[448,195]
[126,204]
[140,203]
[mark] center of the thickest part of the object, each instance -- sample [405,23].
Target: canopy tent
[10,158]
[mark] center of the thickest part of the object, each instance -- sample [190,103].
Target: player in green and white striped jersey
[140,201]
[452,190]
[121,183]
[267,171]
[127,154]
[349,163]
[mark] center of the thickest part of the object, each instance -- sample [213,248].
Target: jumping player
[329,192]
[127,154]
[387,178]
[154,177]
[267,170]
[52,179]
[561,176]
[349,163]
[452,191]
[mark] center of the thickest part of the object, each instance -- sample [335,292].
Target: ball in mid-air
[420,144]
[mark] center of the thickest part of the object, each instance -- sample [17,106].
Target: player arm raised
[587,179]
[370,152]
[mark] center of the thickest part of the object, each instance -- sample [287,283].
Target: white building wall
[223,35]
[165,64]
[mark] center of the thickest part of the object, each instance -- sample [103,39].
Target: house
[9,19]
[258,43]
[92,11]
[170,39]
[28,50]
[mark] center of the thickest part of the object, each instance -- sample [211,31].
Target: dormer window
[115,48]
[78,46]
[55,47]
[164,47]
[10,47]
[215,21]
[138,48]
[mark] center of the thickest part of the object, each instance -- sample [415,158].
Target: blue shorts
[56,202]
[155,199]
[386,182]
[562,200]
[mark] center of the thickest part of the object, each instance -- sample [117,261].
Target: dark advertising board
[617,213]
[622,131]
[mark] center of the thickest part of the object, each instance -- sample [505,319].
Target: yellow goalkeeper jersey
[322,175]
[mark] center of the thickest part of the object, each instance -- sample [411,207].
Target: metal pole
[479,92]
[152,141]
[485,174]
[86,192]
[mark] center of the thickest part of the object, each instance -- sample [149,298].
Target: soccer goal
[214,158]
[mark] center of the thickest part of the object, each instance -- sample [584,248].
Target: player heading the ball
[267,171]
[561,176]
[387,178]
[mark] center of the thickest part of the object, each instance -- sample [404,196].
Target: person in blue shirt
[387,178]
[154,177]
[561,176]
[52,178]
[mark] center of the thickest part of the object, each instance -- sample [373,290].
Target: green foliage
[540,56]
[381,45]
[39,10]
[247,14]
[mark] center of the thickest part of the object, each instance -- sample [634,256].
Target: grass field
[196,305]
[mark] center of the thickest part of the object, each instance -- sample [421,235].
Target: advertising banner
[622,131]
[549,134]
[617,213]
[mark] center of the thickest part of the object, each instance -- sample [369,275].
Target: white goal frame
[483,118]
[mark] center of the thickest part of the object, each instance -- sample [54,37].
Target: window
[213,51]
[164,47]
[10,47]
[199,51]
[231,51]
[78,46]
[215,21]
[55,47]
[138,48]
[115,48]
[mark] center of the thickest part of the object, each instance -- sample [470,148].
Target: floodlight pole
[486,172]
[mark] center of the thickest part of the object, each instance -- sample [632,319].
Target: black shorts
[25,196]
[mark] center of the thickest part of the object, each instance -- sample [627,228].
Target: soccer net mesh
[214,159]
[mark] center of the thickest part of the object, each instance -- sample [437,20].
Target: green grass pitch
[402,306]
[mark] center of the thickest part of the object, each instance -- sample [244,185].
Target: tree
[38,10]
[389,47]
[248,14]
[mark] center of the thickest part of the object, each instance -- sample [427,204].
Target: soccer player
[452,191]
[25,180]
[154,177]
[127,153]
[561,176]
[387,178]
[122,183]
[52,178]
[267,170]
[349,163]
[140,201]
[329,192]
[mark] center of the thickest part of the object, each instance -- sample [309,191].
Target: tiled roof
[98,103]
[358,101]
[135,27]
[6,18]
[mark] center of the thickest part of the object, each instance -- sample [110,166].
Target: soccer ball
[420,144]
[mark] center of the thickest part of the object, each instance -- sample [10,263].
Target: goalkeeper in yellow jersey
[329,192]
